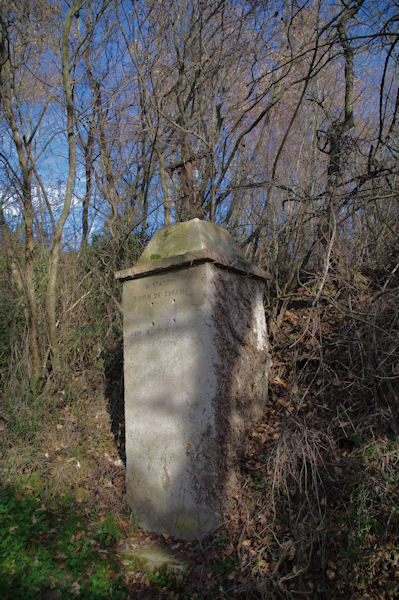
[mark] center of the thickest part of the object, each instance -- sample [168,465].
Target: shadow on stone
[115,394]
[196,366]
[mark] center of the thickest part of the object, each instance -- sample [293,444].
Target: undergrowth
[44,548]
[317,507]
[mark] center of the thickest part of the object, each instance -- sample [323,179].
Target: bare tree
[15,58]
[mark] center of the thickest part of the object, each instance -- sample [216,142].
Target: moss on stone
[154,558]
[190,236]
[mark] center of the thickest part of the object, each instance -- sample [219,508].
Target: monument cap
[190,236]
[191,242]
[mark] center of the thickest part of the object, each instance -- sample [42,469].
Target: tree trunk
[22,148]
[55,247]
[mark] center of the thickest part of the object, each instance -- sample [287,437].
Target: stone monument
[196,361]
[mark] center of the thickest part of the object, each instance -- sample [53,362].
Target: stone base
[196,361]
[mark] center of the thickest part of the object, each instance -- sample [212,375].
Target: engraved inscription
[158,283]
[178,292]
[168,293]
[157,304]
[158,331]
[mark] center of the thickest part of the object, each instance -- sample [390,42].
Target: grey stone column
[196,363]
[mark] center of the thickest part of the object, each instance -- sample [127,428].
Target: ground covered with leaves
[317,509]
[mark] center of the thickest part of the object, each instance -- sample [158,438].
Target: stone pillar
[196,361]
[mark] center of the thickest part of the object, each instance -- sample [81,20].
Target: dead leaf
[282,402]
[263,565]
[331,574]
[278,381]
[75,589]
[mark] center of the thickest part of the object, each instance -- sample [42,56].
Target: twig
[74,304]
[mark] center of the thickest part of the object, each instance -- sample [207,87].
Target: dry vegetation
[279,121]
[317,512]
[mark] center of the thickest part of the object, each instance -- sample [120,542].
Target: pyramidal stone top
[191,236]
[187,243]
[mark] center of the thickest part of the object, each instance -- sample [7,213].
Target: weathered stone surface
[152,559]
[190,258]
[184,244]
[196,362]
[190,236]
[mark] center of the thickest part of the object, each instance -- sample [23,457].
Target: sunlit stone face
[195,363]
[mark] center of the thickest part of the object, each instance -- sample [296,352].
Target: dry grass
[68,451]
[316,514]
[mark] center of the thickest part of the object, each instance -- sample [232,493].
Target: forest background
[279,121]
